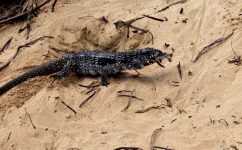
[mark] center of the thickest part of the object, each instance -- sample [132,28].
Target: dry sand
[206,106]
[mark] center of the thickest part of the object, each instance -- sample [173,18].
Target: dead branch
[211,45]
[69,107]
[22,46]
[89,97]
[168,6]
[153,138]
[24,14]
[5,46]
[30,118]
[29,44]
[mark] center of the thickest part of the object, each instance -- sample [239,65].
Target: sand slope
[206,106]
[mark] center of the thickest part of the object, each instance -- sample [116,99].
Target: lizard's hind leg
[67,69]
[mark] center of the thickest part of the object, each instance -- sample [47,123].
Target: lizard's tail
[43,70]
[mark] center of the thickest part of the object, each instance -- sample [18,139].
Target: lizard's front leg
[104,79]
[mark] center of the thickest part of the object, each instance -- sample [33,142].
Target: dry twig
[22,46]
[9,135]
[5,46]
[150,108]
[128,24]
[53,6]
[127,93]
[213,44]
[154,18]
[69,107]
[130,94]
[24,14]
[30,119]
[179,70]
[168,6]
[29,44]
[236,60]
[163,148]
[128,148]
[89,97]
[223,120]
[153,138]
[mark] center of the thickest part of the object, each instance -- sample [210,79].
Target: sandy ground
[204,110]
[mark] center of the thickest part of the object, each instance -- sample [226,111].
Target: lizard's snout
[169,57]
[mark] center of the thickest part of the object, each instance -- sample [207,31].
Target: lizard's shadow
[121,76]
[124,77]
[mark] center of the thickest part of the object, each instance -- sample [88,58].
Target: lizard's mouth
[159,63]
[167,56]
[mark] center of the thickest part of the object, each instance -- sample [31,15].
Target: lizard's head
[152,55]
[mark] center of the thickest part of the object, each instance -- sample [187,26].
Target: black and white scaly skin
[93,63]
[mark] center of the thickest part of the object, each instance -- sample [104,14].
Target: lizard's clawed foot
[104,80]
[55,77]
